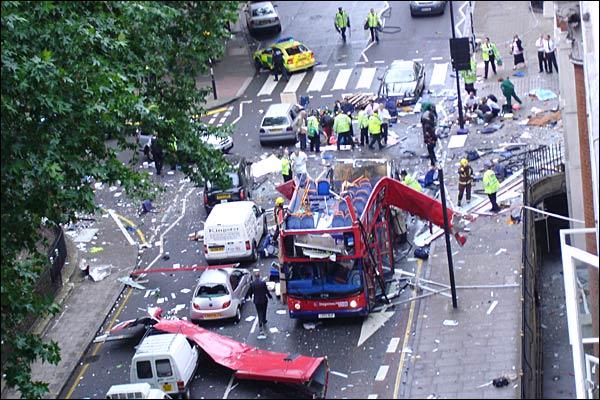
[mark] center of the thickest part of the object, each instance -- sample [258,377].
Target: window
[292,51]
[262,11]
[163,368]
[211,291]
[275,121]
[144,370]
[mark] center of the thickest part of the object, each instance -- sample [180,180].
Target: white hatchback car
[276,125]
[220,294]
[262,15]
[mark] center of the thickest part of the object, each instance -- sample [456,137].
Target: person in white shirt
[369,109]
[493,105]
[549,49]
[385,117]
[471,102]
[539,45]
[299,163]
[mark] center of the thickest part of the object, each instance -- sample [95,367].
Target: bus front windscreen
[324,279]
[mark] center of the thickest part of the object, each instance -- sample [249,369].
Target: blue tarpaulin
[543,94]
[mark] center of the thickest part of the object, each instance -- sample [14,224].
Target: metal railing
[538,164]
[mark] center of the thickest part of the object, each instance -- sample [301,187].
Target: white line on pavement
[366,77]
[266,100]
[393,345]
[222,120]
[219,125]
[379,62]
[294,83]
[212,121]
[363,55]
[372,396]
[383,370]
[359,63]
[342,79]
[437,58]
[228,113]
[268,86]
[318,81]
[121,227]
[241,110]
[417,59]
[254,325]
[325,96]
[340,64]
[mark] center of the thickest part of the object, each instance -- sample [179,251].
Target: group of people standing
[372,23]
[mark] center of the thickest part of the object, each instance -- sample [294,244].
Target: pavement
[483,341]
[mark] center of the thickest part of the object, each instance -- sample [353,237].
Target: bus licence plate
[327,315]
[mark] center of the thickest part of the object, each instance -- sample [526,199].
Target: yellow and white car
[296,56]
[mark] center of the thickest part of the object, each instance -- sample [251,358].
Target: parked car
[427,8]
[220,294]
[276,125]
[402,83]
[167,362]
[233,231]
[261,16]
[240,189]
[296,56]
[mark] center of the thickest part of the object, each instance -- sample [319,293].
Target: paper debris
[309,325]
[186,290]
[502,250]
[281,312]
[492,306]
[250,318]
[339,374]
[173,296]
[161,300]
[96,249]
[450,322]
[176,266]
[273,330]
[99,272]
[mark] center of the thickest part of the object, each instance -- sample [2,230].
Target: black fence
[538,164]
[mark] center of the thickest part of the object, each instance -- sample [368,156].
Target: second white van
[233,231]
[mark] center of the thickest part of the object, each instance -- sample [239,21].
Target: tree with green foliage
[73,75]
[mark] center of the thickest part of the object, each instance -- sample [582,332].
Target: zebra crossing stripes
[294,83]
[342,79]
[268,86]
[318,81]
[438,76]
[366,78]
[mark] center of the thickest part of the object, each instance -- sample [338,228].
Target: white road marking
[438,76]
[254,325]
[241,111]
[417,59]
[372,323]
[212,121]
[437,58]
[222,120]
[121,227]
[228,113]
[340,64]
[266,100]
[393,345]
[219,125]
[383,370]
[359,63]
[321,66]
[346,95]
[379,62]
[294,83]
[324,96]
[342,79]
[339,374]
[372,396]
[268,86]
[363,55]
[318,81]
[229,386]
[366,78]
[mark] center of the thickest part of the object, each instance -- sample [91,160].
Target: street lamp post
[461,120]
[212,77]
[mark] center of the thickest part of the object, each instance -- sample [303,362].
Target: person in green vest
[489,53]
[363,125]
[470,76]
[286,168]
[491,186]
[172,148]
[375,130]
[342,21]
[508,90]
[314,132]
[342,126]
[410,181]
[373,23]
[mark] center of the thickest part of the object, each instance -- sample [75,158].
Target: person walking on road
[489,53]
[385,116]
[278,65]
[363,125]
[314,132]
[157,154]
[298,159]
[342,126]
[465,180]
[409,181]
[375,130]
[428,123]
[286,167]
[299,126]
[491,186]
[550,53]
[342,21]
[470,77]
[539,45]
[508,90]
[516,49]
[260,296]
[373,23]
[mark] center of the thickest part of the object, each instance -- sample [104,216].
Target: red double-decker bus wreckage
[336,236]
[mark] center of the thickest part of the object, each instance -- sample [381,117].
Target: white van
[135,391]
[167,362]
[233,232]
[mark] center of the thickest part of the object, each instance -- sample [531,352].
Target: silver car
[276,125]
[220,294]
[262,15]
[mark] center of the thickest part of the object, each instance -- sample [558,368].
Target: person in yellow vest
[172,151]
[363,124]
[286,167]
[375,130]
[491,186]
[342,21]
[410,181]
[489,54]
[470,77]
[373,23]
[314,132]
[342,127]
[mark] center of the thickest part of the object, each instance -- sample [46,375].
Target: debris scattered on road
[273,330]
[281,312]
[543,94]
[484,385]
[492,306]
[339,374]
[130,282]
[310,325]
[96,249]
[198,235]
[543,119]
[250,318]
[450,322]
[185,290]
[99,272]
[166,256]
[500,382]
[502,250]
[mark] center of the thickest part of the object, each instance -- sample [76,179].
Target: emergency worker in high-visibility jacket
[342,21]
[373,23]
[491,186]
[342,127]
[375,130]
[409,181]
